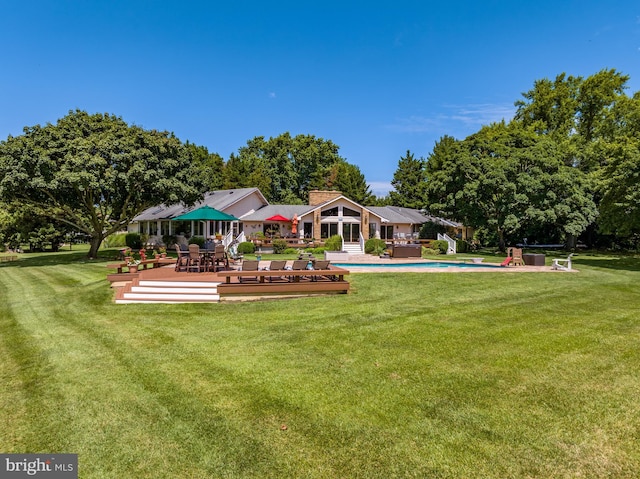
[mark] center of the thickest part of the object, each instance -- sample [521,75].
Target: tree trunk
[95,243]
[501,245]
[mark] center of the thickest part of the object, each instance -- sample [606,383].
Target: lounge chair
[277,265]
[322,265]
[249,265]
[299,265]
[562,264]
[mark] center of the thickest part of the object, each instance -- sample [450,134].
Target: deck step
[178,284]
[171,296]
[175,289]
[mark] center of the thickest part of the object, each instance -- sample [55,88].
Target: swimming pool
[431,264]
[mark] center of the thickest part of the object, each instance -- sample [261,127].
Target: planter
[336,255]
[133,268]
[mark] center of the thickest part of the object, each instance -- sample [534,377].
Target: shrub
[319,251]
[462,246]
[246,247]
[133,240]
[199,240]
[279,245]
[440,245]
[374,245]
[116,240]
[169,240]
[429,252]
[430,230]
[334,243]
[290,251]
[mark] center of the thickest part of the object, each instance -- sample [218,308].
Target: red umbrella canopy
[277,218]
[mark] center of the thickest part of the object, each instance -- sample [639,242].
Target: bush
[279,245]
[440,245]
[429,251]
[116,240]
[199,240]
[430,230]
[290,251]
[334,243]
[169,240]
[318,252]
[246,247]
[462,246]
[133,240]
[374,246]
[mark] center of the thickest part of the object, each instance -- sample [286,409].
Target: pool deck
[491,267]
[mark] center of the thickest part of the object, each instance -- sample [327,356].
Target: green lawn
[473,375]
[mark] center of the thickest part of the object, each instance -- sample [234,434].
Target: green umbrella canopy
[205,213]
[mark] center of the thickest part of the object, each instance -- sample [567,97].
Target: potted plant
[132,264]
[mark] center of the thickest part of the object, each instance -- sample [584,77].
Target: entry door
[351,232]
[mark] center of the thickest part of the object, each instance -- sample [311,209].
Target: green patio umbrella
[205,213]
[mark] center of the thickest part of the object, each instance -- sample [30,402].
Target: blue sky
[376,78]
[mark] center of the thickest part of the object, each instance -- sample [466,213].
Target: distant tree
[349,180]
[210,167]
[95,172]
[409,183]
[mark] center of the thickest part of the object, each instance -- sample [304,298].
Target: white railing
[361,243]
[241,238]
[227,239]
[452,243]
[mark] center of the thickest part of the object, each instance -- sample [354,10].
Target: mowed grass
[430,375]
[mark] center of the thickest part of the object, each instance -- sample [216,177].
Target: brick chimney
[317,196]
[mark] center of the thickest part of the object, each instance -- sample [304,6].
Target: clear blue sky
[376,78]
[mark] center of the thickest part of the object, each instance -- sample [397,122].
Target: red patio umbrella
[277,218]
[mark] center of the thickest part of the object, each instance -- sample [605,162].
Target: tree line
[90,174]
[566,168]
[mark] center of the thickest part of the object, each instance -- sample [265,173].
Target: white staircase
[352,248]
[141,291]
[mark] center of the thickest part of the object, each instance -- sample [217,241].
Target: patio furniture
[562,264]
[249,265]
[195,258]
[298,265]
[220,257]
[182,263]
[322,265]
[533,259]
[277,265]
[516,256]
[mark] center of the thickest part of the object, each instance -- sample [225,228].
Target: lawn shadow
[26,260]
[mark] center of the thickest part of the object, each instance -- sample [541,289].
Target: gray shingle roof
[219,200]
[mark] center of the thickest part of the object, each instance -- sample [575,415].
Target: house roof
[272,210]
[220,200]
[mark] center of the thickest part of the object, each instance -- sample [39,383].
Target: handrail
[450,241]
[361,242]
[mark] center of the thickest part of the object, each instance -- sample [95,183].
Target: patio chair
[277,265]
[322,265]
[299,265]
[249,265]
[220,257]
[516,256]
[182,263]
[565,266]
[195,259]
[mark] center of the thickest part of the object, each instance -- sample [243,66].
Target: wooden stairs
[154,291]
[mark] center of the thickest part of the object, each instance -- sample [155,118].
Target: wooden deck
[228,285]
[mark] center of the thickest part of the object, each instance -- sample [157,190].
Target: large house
[328,213]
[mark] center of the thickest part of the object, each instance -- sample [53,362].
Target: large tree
[409,183]
[285,168]
[95,172]
[512,181]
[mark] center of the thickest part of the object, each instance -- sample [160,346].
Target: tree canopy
[95,172]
